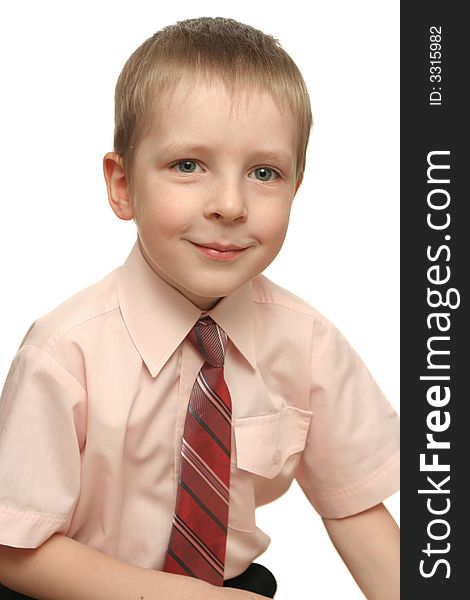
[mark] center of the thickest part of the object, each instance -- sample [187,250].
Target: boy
[212,125]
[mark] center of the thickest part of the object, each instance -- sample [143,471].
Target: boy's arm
[369,544]
[63,568]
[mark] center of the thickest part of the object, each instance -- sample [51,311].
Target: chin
[215,293]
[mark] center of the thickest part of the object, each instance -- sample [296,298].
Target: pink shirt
[93,409]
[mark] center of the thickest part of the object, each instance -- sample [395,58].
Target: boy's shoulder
[266,292]
[92,308]
[93,302]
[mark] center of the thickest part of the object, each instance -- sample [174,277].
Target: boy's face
[212,189]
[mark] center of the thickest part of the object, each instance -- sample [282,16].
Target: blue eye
[186,166]
[265,174]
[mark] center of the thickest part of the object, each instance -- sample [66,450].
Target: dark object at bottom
[7,594]
[256,578]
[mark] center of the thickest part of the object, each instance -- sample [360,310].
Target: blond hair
[238,55]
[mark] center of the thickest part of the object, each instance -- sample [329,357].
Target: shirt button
[276,456]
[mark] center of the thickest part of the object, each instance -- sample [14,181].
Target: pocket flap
[264,443]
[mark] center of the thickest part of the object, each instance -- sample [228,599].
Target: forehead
[208,110]
[195,88]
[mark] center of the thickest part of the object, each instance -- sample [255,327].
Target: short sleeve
[351,458]
[42,420]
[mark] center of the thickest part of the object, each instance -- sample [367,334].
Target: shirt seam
[362,483]
[33,515]
[56,362]
[310,312]
[63,332]
[317,355]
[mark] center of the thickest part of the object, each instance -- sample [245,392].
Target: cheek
[273,226]
[165,215]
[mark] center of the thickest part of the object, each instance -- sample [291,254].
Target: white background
[59,64]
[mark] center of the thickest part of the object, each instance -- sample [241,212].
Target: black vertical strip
[435,257]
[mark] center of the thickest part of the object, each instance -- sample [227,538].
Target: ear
[117,186]
[297,184]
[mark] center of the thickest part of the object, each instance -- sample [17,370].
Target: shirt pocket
[264,443]
[263,446]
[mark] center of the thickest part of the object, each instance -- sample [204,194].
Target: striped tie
[199,532]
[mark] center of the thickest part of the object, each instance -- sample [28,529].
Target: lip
[221,252]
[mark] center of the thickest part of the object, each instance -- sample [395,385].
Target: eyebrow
[275,156]
[186,149]
[265,155]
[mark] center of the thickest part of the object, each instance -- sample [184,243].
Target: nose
[227,202]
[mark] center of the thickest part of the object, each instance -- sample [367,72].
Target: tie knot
[210,339]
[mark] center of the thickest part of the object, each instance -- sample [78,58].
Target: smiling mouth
[220,251]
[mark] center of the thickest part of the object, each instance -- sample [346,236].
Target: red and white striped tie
[199,534]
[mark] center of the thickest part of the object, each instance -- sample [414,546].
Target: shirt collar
[158,317]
